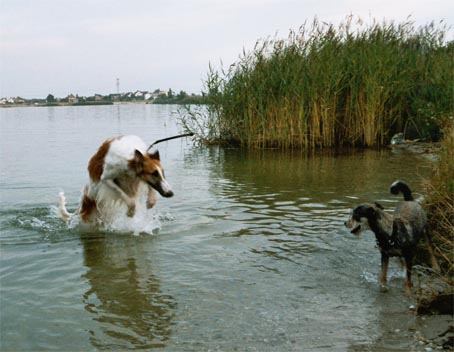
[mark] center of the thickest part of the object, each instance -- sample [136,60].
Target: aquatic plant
[353,84]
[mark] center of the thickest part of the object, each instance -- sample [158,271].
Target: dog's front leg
[384,268]
[130,202]
[151,200]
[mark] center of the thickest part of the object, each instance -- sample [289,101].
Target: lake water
[249,255]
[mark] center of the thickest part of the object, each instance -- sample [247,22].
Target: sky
[81,47]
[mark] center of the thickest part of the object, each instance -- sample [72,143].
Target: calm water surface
[250,254]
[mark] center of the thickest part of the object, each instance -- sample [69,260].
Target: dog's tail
[62,211]
[400,186]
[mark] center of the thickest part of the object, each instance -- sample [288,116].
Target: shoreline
[37,105]
[58,104]
[186,101]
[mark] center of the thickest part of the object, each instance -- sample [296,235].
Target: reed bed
[436,292]
[354,84]
[439,190]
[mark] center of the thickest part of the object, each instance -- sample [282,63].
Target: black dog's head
[360,217]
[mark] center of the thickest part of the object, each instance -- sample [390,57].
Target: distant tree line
[181,98]
[150,97]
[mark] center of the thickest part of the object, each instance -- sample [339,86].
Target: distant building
[72,98]
[158,93]
[115,97]
[17,100]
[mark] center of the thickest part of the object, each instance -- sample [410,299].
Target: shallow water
[250,254]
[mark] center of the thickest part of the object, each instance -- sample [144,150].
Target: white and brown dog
[120,172]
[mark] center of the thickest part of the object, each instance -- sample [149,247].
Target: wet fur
[398,234]
[120,171]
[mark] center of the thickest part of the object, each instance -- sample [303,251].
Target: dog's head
[360,217]
[148,168]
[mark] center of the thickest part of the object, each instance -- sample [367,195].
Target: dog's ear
[155,155]
[363,210]
[358,212]
[136,163]
[138,156]
[371,212]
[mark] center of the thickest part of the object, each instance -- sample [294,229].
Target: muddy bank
[430,150]
[429,333]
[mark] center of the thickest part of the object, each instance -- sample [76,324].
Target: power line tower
[118,85]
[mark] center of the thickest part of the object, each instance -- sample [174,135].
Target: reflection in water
[124,296]
[322,175]
[298,201]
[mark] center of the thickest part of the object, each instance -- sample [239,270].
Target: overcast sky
[83,46]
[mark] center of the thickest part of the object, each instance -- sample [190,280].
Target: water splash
[35,224]
[142,223]
[147,222]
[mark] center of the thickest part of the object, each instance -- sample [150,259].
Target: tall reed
[354,84]
[440,204]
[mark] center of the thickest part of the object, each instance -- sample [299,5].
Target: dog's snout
[168,194]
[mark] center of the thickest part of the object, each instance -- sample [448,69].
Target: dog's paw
[151,200]
[131,210]
[384,288]
[151,204]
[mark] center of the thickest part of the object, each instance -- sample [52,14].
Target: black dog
[397,235]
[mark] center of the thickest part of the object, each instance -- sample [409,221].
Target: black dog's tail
[400,186]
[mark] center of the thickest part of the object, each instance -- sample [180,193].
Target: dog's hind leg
[87,206]
[409,263]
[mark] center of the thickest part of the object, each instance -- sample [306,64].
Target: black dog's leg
[384,268]
[408,263]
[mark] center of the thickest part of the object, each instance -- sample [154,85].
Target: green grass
[355,84]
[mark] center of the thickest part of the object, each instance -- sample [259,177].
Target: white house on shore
[72,98]
[17,100]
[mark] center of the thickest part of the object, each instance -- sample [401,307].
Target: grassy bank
[354,84]
[439,205]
